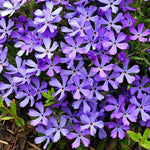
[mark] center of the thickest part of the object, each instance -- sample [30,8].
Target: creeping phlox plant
[74,65]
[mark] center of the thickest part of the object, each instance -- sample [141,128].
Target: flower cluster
[81,50]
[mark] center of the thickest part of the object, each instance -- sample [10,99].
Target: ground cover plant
[78,72]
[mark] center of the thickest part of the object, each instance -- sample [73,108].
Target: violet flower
[46,18]
[88,12]
[95,90]
[5,30]
[73,47]
[128,114]
[115,43]
[42,116]
[112,23]
[74,71]
[57,128]
[39,88]
[140,87]
[101,68]
[27,94]
[83,103]
[51,66]
[47,137]
[48,50]
[35,70]
[110,4]
[62,88]
[125,72]
[79,136]
[143,107]
[124,5]
[114,105]
[80,87]
[118,128]
[108,80]
[128,21]
[9,87]
[10,8]
[3,59]
[139,34]
[19,66]
[91,122]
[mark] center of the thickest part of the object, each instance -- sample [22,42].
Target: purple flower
[28,43]
[5,30]
[78,27]
[110,4]
[79,136]
[23,77]
[128,21]
[46,18]
[42,116]
[62,88]
[80,87]
[101,68]
[95,90]
[112,23]
[47,137]
[28,93]
[14,70]
[9,87]
[108,80]
[114,105]
[10,8]
[128,114]
[3,59]
[51,66]
[126,72]
[118,129]
[115,43]
[70,116]
[57,128]
[74,71]
[73,48]
[83,103]
[63,2]
[124,5]
[35,68]
[39,88]
[122,56]
[138,33]
[142,107]
[140,87]
[91,122]
[48,50]
[87,12]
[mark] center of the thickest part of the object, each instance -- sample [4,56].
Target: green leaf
[1,102]
[136,58]
[146,144]
[19,122]
[7,118]
[133,135]
[146,134]
[52,91]
[13,107]
[140,137]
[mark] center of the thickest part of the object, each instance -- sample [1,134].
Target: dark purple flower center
[111,3]
[91,124]
[79,135]
[78,88]
[140,87]
[107,79]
